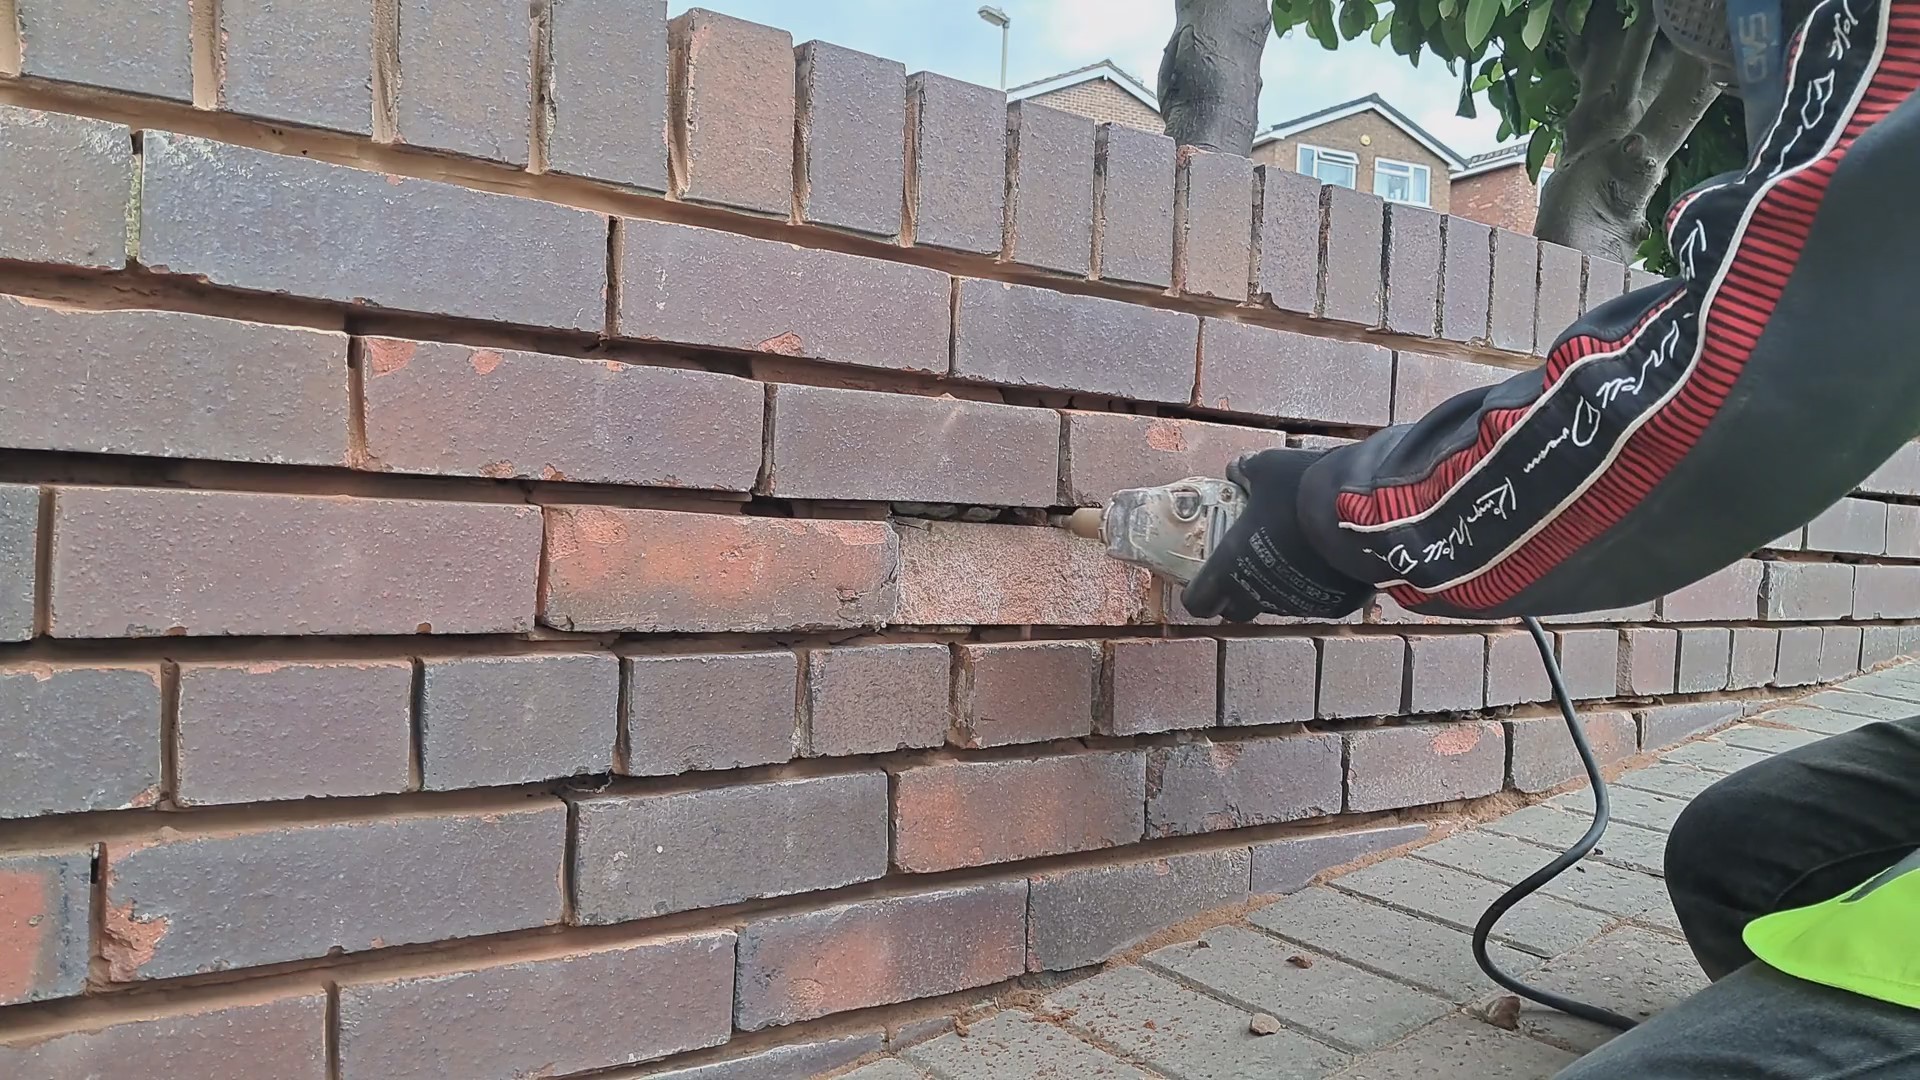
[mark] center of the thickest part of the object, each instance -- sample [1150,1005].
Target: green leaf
[1480,16]
[1407,33]
[1353,18]
[1429,13]
[1466,94]
[1535,30]
[1382,29]
[1508,7]
[1320,24]
[1449,8]
[1537,149]
[1577,15]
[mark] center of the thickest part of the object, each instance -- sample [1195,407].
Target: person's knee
[1709,831]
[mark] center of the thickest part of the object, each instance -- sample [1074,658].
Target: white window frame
[1408,169]
[1337,157]
[1540,186]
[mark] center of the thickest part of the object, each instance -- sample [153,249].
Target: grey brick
[1799,657]
[850,109]
[1755,652]
[1770,740]
[1203,786]
[1515,672]
[78,738]
[1664,725]
[1542,755]
[1854,526]
[1422,383]
[1716,756]
[1413,262]
[516,719]
[1792,541]
[1158,684]
[1542,926]
[259,731]
[1352,252]
[799,1061]
[1903,531]
[1277,373]
[1020,335]
[732,113]
[956,164]
[1589,661]
[1859,704]
[639,856]
[1434,958]
[1630,971]
[1649,661]
[669,275]
[47,924]
[1706,654]
[1553,831]
[313,888]
[875,952]
[1284,866]
[869,699]
[1251,970]
[465,70]
[1024,691]
[621,1005]
[296,62]
[1726,595]
[1212,224]
[1183,1034]
[721,711]
[146,49]
[1885,592]
[285,1039]
[1805,591]
[1446,673]
[1640,279]
[1820,721]
[1664,778]
[1287,274]
[1133,205]
[1589,883]
[1560,291]
[67,192]
[1636,613]
[1392,767]
[1515,271]
[1898,475]
[1465,281]
[1897,682]
[1460,1048]
[1880,644]
[1102,452]
[1084,916]
[1361,676]
[360,237]
[19,538]
[1839,652]
[607,82]
[1015,1044]
[976,812]
[1049,189]
[1606,280]
[1642,808]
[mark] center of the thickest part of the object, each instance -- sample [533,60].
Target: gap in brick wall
[540,111]
[385,84]
[209,53]
[9,37]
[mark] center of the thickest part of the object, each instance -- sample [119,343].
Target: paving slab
[1627,846]
[1632,971]
[1714,755]
[1014,1044]
[1848,701]
[1631,807]
[1333,1001]
[1819,721]
[1460,1048]
[1769,740]
[1434,958]
[889,1069]
[1183,1034]
[1901,683]
[1541,925]
[1678,781]
[1590,884]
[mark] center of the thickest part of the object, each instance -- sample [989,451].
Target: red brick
[1019,335]
[1206,786]
[1792,592]
[1287,253]
[712,711]
[1413,270]
[454,410]
[1706,655]
[1158,684]
[298,63]
[1853,526]
[1388,768]
[516,719]
[828,443]
[1898,475]
[1543,757]
[1560,294]
[1515,673]
[1589,662]
[1421,383]
[1049,189]
[819,1057]
[141,563]
[669,570]
[1212,224]
[1755,652]
[1361,676]
[869,699]
[1289,865]
[145,49]
[78,738]
[877,952]
[68,179]
[1024,691]
[1799,657]
[252,732]
[956,164]
[1351,255]
[1268,680]
[1839,652]
[850,111]
[1515,275]
[360,237]
[284,1039]
[1085,916]
[572,1013]
[607,76]
[1105,452]
[464,84]
[1668,725]
[1464,283]
[1133,205]
[1446,673]
[1727,595]
[44,921]
[1009,575]
[312,889]
[1288,376]
[974,813]
[19,545]
[731,110]
[638,856]
[1649,661]
[1903,531]
[1606,280]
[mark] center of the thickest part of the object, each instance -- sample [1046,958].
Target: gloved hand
[1265,563]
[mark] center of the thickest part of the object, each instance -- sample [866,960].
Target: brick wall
[544,564]
[1383,138]
[1503,197]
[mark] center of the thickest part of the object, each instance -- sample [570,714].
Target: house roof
[1094,72]
[1504,157]
[1374,103]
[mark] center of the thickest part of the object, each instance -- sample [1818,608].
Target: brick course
[607,81]
[1049,217]
[973,813]
[253,732]
[1429,763]
[731,112]
[1205,786]
[869,699]
[721,711]
[1288,376]
[1133,205]
[1020,335]
[284,1038]
[516,719]
[850,111]
[464,78]
[1024,691]
[956,164]
[1101,453]
[1212,224]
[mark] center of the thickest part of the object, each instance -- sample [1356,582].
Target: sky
[1051,36]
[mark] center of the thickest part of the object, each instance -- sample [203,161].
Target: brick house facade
[1494,189]
[1102,92]
[1368,132]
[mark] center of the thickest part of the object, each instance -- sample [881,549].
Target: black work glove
[1265,563]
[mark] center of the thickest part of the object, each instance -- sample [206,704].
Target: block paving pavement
[1370,975]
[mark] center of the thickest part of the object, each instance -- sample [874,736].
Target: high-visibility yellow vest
[1866,940]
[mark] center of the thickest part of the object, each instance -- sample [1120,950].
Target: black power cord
[1602,814]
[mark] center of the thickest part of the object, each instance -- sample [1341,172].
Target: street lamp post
[999,18]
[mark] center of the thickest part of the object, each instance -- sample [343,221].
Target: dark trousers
[1798,829]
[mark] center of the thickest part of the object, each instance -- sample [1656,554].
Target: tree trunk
[1210,73]
[1639,99]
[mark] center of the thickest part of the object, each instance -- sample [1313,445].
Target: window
[1330,166]
[1402,182]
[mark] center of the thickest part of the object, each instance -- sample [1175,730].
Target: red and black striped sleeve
[1680,427]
